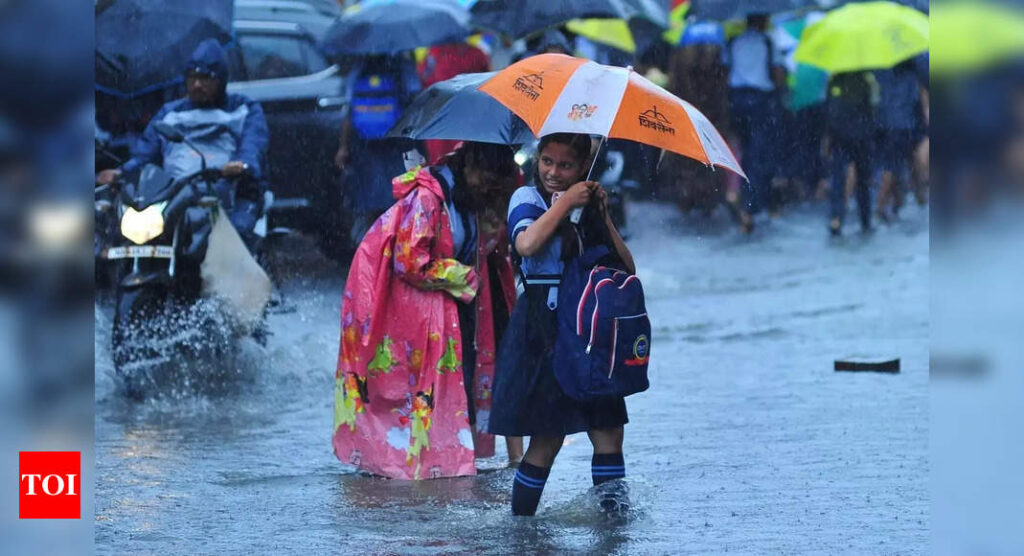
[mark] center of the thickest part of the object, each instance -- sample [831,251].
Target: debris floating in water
[886,366]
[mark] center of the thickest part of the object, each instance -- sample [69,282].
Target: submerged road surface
[746,442]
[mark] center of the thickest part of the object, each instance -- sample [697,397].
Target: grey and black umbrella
[723,10]
[144,44]
[518,18]
[456,110]
[390,26]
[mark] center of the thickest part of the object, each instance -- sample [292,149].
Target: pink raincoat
[399,402]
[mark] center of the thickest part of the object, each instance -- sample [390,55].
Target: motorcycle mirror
[169,132]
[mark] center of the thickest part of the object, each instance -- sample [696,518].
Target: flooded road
[746,442]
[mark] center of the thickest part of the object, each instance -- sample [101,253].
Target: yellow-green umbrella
[676,23]
[974,35]
[610,32]
[624,35]
[864,36]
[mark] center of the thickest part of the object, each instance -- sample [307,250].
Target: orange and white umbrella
[555,93]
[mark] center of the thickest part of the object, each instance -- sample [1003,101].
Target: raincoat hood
[417,177]
[209,57]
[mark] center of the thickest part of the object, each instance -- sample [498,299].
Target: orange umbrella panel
[651,115]
[530,90]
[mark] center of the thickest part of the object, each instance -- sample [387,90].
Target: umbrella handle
[577,213]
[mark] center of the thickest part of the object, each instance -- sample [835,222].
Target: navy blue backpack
[603,345]
[376,105]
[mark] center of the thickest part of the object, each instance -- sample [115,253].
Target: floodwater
[747,441]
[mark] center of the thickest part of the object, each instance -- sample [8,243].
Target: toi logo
[49,485]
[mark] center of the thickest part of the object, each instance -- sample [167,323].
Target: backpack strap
[593,255]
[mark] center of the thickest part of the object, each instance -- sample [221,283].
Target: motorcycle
[188,286]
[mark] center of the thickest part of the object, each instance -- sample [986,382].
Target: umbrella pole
[593,162]
[577,213]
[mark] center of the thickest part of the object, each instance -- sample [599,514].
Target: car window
[316,61]
[272,56]
[235,70]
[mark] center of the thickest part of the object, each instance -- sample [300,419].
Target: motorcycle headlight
[142,226]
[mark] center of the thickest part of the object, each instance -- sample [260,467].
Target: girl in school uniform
[527,398]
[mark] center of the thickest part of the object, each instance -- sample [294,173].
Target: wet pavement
[746,442]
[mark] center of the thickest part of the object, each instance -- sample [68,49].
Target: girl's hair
[495,158]
[579,144]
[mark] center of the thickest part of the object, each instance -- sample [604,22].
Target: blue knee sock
[527,488]
[605,467]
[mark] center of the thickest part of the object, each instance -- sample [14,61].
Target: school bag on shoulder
[603,344]
[375,105]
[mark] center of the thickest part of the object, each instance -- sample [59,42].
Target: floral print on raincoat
[400,406]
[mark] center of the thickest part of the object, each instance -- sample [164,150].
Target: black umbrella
[518,18]
[722,10]
[144,44]
[390,26]
[456,110]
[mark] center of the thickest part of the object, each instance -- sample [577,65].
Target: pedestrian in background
[380,87]
[900,115]
[697,74]
[756,77]
[851,127]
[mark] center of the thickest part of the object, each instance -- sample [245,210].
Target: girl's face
[558,167]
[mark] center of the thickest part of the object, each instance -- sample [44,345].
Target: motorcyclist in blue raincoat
[228,128]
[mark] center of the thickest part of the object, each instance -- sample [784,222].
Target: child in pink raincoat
[428,293]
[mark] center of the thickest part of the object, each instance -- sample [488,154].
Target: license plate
[141,251]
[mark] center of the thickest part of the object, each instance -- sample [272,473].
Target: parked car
[277,63]
[314,16]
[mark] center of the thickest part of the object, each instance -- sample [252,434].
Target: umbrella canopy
[554,93]
[390,26]
[143,44]
[455,109]
[865,36]
[518,18]
[974,35]
[722,10]
[633,36]
[609,32]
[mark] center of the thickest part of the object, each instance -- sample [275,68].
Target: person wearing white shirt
[756,76]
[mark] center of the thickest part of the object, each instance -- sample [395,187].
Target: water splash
[182,350]
[617,502]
